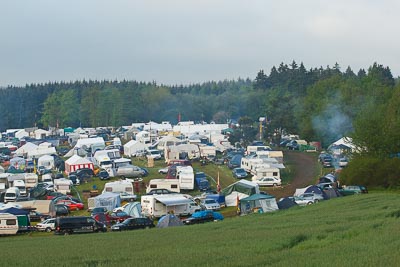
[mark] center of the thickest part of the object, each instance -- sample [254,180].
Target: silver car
[210,204]
[308,199]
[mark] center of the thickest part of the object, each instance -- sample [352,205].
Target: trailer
[160,205]
[31,180]
[62,185]
[185,175]
[8,224]
[170,184]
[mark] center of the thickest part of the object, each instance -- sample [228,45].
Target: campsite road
[305,168]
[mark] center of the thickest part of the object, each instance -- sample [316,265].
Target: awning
[173,201]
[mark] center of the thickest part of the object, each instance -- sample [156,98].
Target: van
[8,224]
[78,224]
[20,184]
[12,194]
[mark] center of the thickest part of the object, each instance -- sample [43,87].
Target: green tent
[258,203]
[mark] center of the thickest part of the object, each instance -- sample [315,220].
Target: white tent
[168,141]
[240,189]
[133,146]
[75,163]
[46,161]
[25,149]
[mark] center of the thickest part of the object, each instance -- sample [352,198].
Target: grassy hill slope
[351,231]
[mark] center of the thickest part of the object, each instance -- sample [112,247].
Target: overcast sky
[187,41]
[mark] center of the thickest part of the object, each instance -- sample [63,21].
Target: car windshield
[209,201]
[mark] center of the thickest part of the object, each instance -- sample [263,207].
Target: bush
[372,172]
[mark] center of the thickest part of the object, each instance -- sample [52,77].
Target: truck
[159,205]
[185,175]
[201,181]
[170,184]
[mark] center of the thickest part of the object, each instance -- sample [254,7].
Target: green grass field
[360,230]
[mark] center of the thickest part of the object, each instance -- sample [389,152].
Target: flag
[237,204]
[218,185]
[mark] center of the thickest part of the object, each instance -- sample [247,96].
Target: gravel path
[305,169]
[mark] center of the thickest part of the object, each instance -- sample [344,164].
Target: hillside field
[359,230]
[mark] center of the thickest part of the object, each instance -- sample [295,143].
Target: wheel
[147,227]
[309,203]
[48,230]
[66,233]
[76,208]
[316,201]
[274,185]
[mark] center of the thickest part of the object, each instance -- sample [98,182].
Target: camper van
[170,184]
[78,224]
[20,184]
[12,194]
[8,224]
[159,205]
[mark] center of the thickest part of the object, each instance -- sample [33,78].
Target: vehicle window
[11,222]
[174,186]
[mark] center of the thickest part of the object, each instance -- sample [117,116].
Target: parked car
[119,216]
[343,162]
[235,161]
[154,153]
[353,190]
[268,181]
[35,216]
[127,197]
[84,173]
[145,171]
[103,175]
[210,204]
[239,173]
[72,205]
[61,210]
[98,210]
[160,191]
[203,216]
[308,199]
[327,161]
[163,170]
[46,225]
[130,171]
[133,223]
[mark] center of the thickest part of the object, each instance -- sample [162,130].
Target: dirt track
[305,170]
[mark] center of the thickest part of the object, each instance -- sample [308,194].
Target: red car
[72,205]
[110,218]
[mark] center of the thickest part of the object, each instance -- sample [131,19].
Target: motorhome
[8,224]
[266,170]
[159,205]
[63,186]
[31,180]
[255,149]
[20,184]
[185,175]
[12,194]
[170,184]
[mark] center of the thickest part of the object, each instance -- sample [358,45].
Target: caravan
[169,184]
[159,205]
[8,224]
[185,175]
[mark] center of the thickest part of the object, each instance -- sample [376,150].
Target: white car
[163,170]
[268,181]
[154,153]
[210,204]
[46,225]
[120,208]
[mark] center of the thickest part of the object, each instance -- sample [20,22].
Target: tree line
[320,104]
